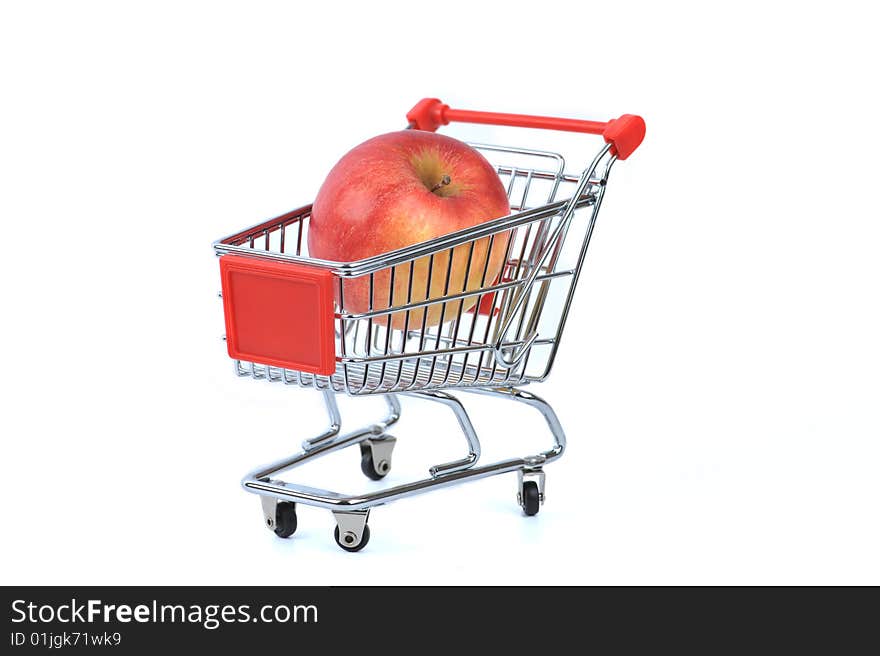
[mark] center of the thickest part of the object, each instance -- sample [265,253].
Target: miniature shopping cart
[288,319]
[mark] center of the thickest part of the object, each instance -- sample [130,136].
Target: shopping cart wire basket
[422,331]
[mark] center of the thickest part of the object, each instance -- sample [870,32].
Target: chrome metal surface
[259,481]
[335,422]
[546,411]
[330,500]
[467,428]
[330,445]
[551,243]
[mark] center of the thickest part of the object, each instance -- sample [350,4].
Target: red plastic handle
[624,133]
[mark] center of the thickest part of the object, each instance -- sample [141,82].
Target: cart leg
[541,406]
[335,422]
[467,428]
[531,478]
[279,516]
[375,432]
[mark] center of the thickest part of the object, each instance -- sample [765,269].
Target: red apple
[400,189]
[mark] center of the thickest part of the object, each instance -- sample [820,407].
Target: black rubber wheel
[363,543]
[531,498]
[285,519]
[369,467]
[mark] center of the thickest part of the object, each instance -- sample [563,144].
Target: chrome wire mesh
[427,319]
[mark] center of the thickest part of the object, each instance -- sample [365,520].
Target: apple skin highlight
[399,189]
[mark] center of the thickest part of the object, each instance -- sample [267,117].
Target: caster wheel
[285,519]
[531,498]
[358,547]
[373,471]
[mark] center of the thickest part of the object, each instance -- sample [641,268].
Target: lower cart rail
[279,498]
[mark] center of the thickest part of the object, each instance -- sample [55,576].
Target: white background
[719,375]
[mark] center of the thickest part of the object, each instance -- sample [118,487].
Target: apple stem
[445,180]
